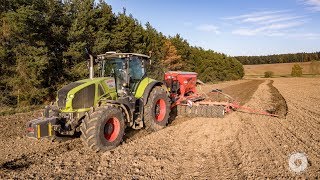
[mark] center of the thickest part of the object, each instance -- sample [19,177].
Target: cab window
[136,69]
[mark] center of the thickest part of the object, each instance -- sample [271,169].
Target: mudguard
[148,90]
[145,87]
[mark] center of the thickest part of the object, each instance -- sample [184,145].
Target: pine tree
[28,54]
[80,37]
[55,38]
[127,34]
[104,20]
[154,45]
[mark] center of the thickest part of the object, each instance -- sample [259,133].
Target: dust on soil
[237,146]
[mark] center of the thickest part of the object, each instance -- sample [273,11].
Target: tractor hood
[83,94]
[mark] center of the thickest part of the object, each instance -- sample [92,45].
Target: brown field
[280,69]
[238,146]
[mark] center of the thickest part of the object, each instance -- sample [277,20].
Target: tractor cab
[128,69]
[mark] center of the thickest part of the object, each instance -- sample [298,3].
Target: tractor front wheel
[104,129]
[157,109]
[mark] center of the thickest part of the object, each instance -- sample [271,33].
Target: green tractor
[100,109]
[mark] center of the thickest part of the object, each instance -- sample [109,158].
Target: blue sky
[234,27]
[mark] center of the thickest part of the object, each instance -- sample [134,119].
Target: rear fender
[149,88]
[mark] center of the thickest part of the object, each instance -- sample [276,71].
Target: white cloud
[253,32]
[313,4]
[255,14]
[280,19]
[259,18]
[267,23]
[282,25]
[208,28]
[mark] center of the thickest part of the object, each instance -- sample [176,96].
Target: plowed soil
[240,145]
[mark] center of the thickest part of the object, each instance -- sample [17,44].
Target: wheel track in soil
[255,143]
[263,136]
[285,137]
[211,157]
[311,124]
[292,138]
[293,142]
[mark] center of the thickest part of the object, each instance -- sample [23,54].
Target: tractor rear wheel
[104,129]
[157,109]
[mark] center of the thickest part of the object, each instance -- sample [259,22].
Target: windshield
[115,67]
[125,70]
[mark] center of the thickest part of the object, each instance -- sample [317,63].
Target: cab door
[136,72]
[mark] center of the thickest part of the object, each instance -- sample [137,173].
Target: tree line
[279,58]
[43,47]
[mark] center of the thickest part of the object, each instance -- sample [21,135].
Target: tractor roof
[110,55]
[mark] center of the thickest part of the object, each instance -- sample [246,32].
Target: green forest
[43,47]
[279,58]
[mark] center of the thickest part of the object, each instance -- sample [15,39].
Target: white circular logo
[298,162]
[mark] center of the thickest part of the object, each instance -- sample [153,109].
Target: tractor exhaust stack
[91,67]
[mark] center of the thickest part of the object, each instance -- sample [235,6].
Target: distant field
[281,69]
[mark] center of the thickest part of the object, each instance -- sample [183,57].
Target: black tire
[104,129]
[158,100]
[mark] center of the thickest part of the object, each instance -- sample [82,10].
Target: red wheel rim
[111,129]
[160,110]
